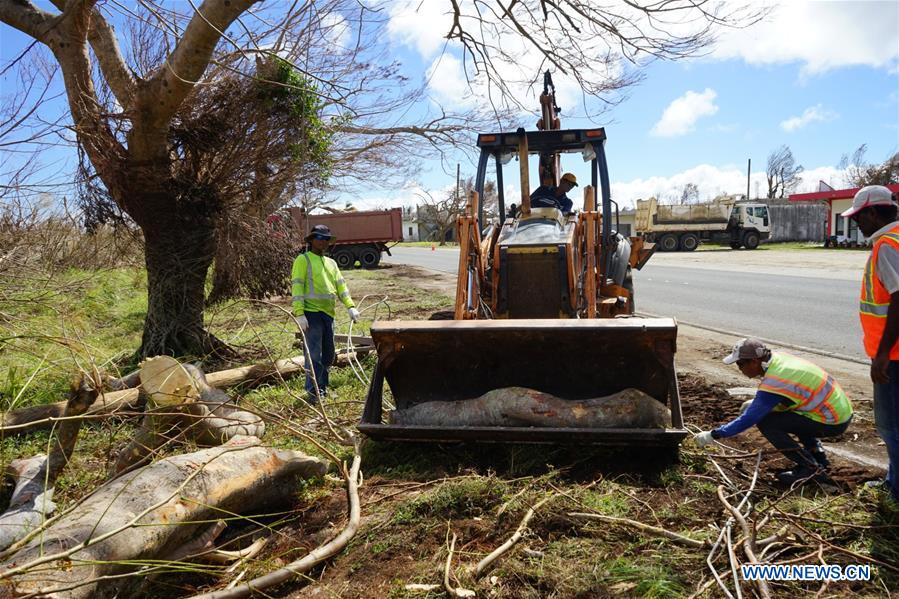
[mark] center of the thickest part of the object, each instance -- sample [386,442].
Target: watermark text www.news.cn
[776,572]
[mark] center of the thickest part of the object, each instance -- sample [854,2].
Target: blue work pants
[320,351]
[886,420]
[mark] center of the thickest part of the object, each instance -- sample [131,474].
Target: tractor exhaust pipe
[525,175]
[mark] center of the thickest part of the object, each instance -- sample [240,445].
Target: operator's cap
[746,349]
[320,232]
[872,195]
[570,178]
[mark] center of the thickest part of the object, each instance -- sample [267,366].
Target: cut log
[35,477]
[34,418]
[151,512]
[519,406]
[183,405]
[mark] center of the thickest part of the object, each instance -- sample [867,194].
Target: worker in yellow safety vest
[317,284]
[874,208]
[795,398]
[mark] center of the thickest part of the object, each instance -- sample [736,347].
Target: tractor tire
[668,243]
[344,258]
[751,240]
[689,242]
[370,258]
[735,245]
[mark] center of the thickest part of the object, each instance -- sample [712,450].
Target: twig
[485,563]
[655,530]
[450,589]
[748,541]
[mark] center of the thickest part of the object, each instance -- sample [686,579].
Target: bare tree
[600,45]
[437,215]
[689,194]
[859,172]
[782,172]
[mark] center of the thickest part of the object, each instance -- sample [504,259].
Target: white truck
[683,227]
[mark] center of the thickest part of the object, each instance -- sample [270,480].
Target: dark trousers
[886,420]
[320,354]
[780,428]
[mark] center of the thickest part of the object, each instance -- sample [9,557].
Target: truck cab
[749,224]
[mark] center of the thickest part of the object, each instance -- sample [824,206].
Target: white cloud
[810,115]
[820,35]
[682,114]
[419,24]
[336,29]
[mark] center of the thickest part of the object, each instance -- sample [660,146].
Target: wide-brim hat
[321,231]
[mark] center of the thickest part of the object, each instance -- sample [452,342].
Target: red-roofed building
[837,200]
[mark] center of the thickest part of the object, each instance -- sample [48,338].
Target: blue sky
[821,77]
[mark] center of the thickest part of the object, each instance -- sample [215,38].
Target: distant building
[837,200]
[410,224]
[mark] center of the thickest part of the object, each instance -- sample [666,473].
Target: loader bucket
[424,361]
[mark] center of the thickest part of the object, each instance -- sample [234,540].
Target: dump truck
[544,305]
[361,235]
[684,227]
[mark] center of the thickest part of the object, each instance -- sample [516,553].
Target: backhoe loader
[544,300]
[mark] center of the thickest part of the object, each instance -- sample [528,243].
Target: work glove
[304,323]
[354,314]
[704,438]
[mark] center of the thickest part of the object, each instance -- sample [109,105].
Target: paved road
[810,311]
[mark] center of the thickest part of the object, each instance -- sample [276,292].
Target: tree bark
[150,513]
[179,240]
[519,406]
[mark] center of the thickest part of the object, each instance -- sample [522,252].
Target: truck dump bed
[370,226]
[650,213]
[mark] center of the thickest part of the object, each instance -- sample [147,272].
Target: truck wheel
[734,245]
[689,242]
[345,259]
[668,243]
[751,240]
[370,258]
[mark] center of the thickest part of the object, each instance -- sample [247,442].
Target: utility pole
[748,172]
[457,184]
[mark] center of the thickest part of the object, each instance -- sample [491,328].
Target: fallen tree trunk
[183,405]
[147,514]
[35,418]
[518,406]
[35,477]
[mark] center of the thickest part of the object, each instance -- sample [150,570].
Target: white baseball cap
[872,195]
[746,349]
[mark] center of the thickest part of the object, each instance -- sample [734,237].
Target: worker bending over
[316,284]
[795,398]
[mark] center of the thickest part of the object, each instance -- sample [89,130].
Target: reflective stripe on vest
[310,283]
[812,392]
[874,302]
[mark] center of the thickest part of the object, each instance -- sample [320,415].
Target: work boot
[816,451]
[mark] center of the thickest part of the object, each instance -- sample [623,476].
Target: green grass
[778,245]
